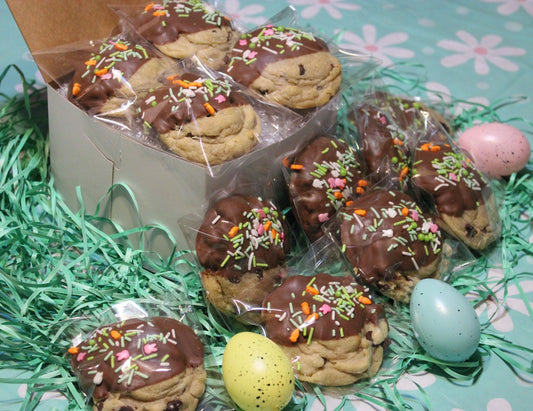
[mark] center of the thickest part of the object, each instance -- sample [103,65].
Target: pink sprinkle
[414,215]
[269,32]
[262,214]
[331,182]
[243,42]
[323,217]
[252,54]
[150,348]
[220,98]
[433,228]
[325,309]
[339,182]
[106,76]
[81,356]
[123,355]
[383,120]
[453,177]
[261,229]
[270,25]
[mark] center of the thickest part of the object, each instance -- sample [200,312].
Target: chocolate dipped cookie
[323,177]
[458,193]
[113,75]
[287,66]
[242,245]
[390,242]
[201,119]
[182,29]
[141,364]
[328,326]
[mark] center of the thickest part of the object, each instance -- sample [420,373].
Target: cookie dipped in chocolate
[287,66]
[390,242]
[458,192]
[114,68]
[181,29]
[133,354]
[334,307]
[242,234]
[324,175]
[185,98]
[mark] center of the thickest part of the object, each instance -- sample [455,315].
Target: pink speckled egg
[496,149]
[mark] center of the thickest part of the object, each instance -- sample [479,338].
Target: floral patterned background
[478,51]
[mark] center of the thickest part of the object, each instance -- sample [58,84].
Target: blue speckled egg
[444,322]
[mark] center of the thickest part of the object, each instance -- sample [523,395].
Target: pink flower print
[150,348]
[512,6]
[332,7]
[244,13]
[482,52]
[381,48]
[123,355]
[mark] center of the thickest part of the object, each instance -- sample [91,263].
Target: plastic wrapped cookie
[114,72]
[287,66]
[390,242]
[242,246]
[183,29]
[201,119]
[146,364]
[329,328]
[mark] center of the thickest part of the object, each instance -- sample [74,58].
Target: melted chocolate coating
[163,23]
[383,232]
[452,181]
[335,302]
[265,45]
[159,347]
[183,99]
[108,67]
[242,234]
[323,177]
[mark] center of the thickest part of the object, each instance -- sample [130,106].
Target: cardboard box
[91,155]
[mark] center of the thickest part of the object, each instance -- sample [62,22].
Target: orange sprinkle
[403,173]
[268,224]
[121,46]
[397,141]
[364,300]
[294,335]
[73,350]
[76,88]
[338,195]
[349,203]
[115,334]
[405,211]
[101,72]
[311,290]
[274,233]
[233,231]
[90,63]
[149,6]
[172,77]
[359,211]
[311,318]
[195,84]
[425,147]
[181,83]
[159,13]
[209,108]
[435,148]
[360,190]
[285,162]
[305,308]
[296,166]
[362,183]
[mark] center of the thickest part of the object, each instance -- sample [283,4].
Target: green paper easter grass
[56,265]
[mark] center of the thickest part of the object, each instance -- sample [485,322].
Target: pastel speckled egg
[257,373]
[496,149]
[444,322]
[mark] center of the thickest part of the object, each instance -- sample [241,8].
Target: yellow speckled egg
[256,372]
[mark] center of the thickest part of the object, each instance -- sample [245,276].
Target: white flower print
[498,311]
[379,48]
[412,382]
[482,52]
[331,6]
[244,14]
[439,93]
[511,6]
